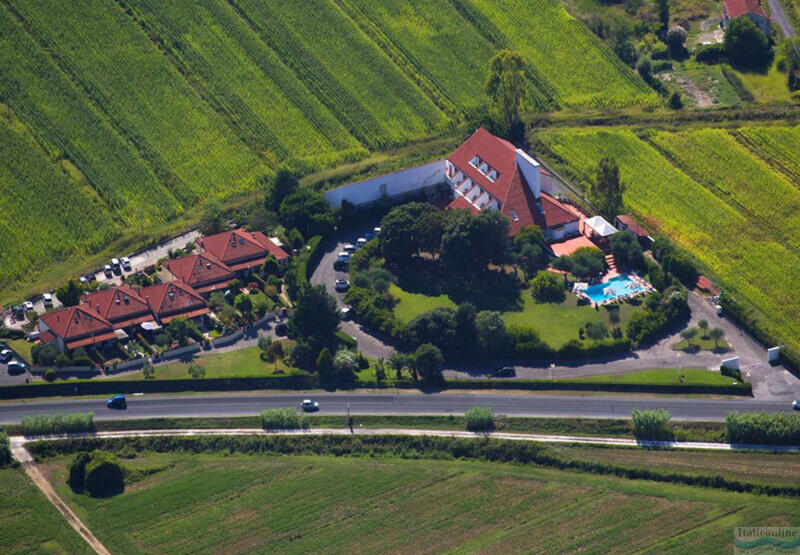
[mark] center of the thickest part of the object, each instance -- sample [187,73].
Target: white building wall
[401,183]
[530,169]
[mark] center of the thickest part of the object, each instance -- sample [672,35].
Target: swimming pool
[615,287]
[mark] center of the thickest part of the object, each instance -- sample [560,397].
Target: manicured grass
[766,468]
[186,503]
[414,304]
[666,376]
[30,523]
[21,347]
[238,363]
[768,87]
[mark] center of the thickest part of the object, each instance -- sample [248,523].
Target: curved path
[558,406]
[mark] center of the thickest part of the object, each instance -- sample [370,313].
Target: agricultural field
[185,503]
[778,146]
[701,212]
[30,523]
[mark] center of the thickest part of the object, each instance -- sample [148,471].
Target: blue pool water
[615,287]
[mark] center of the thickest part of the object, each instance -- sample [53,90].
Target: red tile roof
[90,340]
[172,299]
[631,225]
[198,269]
[234,246]
[497,152]
[190,314]
[121,305]
[460,203]
[544,212]
[736,8]
[75,322]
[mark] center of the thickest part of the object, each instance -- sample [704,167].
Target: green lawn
[231,364]
[769,87]
[666,376]
[414,304]
[30,524]
[298,504]
[21,347]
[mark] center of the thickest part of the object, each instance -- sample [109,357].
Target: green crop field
[778,146]
[182,503]
[30,523]
[750,259]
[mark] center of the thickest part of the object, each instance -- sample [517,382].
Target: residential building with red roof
[489,173]
[171,300]
[626,223]
[752,9]
[73,327]
[241,250]
[120,305]
[203,272]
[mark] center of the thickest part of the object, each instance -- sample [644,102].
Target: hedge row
[105,387]
[772,428]
[302,266]
[483,449]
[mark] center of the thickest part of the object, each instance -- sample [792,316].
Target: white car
[361,242]
[341,285]
[5,355]
[343,257]
[796,404]
[376,231]
[126,263]
[107,271]
[16,367]
[28,306]
[309,406]
[47,299]
[349,248]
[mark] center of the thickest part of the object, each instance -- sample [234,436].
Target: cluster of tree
[463,243]
[46,355]
[339,368]
[584,263]
[506,86]
[607,191]
[789,61]
[548,287]
[627,250]
[313,325]
[675,262]
[98,473]
[746,45]
[661,311]
[529,250]
[424,363]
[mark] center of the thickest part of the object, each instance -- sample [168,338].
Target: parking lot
[12,377]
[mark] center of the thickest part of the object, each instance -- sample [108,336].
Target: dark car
[117,402]
[281,328]
[505,372]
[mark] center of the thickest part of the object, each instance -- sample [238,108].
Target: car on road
[349,248]
[117,402]
[343,257]
[361,242]
[309,406]
[341,285]
[47,299]
[107,271]
[16,367]
[6,354]
[796,404]
[27,306]
[126,263]
[505,372]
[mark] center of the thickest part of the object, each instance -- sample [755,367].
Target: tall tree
[746,45]
[308,211]
[315,318]
[69,294]
[428,359]
[606,194]
[285,184]
[663,13]
[505,86]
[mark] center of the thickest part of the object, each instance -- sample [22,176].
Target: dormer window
[514,215]
[492,175]
[475,161]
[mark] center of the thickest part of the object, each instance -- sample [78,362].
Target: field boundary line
[543,438]
[40,481]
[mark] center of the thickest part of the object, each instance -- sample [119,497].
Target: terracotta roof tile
[116,304]
[172,299]
[736,8]
[75,322]
[460,203]
[497,152]
[234,246]
[198,269]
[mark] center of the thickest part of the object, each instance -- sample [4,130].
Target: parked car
[115,266]
[340,265]
[376,231]
[6,354]
[47,299]
[346,313]
[126,263]
[343,257]
[107,271]
[361,242]
[16,367]
[505,372]
[369,235]
[796,404]
[27,306]
[91,277]
[117,402]
[83,280]
[349,248]
[341,285]
[309,406]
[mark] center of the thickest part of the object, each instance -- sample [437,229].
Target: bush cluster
[296,276]
[773,428]
[652,424]
[5,449]
[479,419]
[42,424]
[98,473]
[283,419]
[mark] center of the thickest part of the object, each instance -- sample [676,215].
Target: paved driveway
[778,15]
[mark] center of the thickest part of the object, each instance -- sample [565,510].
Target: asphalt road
[778,15]
[404,403]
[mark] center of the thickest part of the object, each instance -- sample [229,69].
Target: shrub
[479,419]
[163,339]
[42,424]
[104,475]
[63,360]
[429,362]
[5,450]
[283,419]
[652,424]
[548,287]
[711,53]
[596,331]
[345,362]
[148,371]
[777,428]
[77,472]
[50,375]
[675,102]
[196,370]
